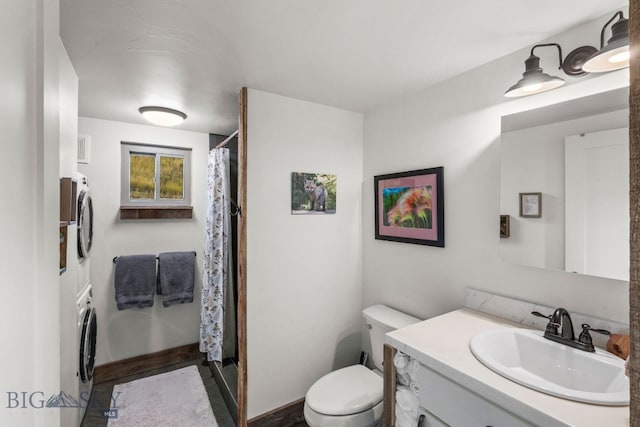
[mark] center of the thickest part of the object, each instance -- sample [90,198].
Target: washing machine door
[85,224]
[88,344]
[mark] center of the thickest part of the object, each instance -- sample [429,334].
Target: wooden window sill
[156,212]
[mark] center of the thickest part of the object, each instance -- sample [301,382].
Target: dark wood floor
[94,416]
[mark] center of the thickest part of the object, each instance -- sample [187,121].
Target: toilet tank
[381,319]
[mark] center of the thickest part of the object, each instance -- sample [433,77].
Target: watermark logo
[62,400]
[105,404]
[110,413]
[25,399]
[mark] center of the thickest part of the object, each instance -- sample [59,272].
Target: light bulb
[532,87]
[620,57]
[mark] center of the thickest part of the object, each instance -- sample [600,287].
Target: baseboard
[289,415]
[146,362]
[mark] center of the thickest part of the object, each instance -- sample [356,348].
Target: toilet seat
[347,391]
[369,418]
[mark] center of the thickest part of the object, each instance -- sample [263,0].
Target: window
[155,176]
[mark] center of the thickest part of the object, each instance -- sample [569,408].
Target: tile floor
[94,416]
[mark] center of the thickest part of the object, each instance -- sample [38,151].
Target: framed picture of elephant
[313,193]
[409,207]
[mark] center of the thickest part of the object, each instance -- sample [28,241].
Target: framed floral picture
[409,207]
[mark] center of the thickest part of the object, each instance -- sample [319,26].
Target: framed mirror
[564,187]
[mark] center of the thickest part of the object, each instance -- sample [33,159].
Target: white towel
[406,370]
[401,361]
[407,407]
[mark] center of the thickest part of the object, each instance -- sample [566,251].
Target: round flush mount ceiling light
[162,116]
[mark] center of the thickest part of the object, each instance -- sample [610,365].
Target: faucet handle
[537,313]
[587,328]
[552,327]
[585,337]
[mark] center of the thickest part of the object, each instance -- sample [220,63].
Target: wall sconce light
[162,116]
[615,55]
[533,79]
[585,59]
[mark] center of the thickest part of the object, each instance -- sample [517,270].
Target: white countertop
[442,344]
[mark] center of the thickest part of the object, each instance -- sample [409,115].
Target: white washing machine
[87,330]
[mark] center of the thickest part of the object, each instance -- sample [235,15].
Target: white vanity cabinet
[450,404]
[456,390]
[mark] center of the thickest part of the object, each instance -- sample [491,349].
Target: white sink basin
[524,356]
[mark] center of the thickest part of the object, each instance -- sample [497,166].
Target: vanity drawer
[457,406]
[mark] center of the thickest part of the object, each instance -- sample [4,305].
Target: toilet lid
[346,391]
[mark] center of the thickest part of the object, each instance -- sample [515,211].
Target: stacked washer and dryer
[87,319]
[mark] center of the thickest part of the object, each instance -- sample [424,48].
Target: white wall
[68,280]
[457,125]
[533,160]
[132,332]
[30,360]
[303,272]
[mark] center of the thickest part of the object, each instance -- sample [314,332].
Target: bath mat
[176,398]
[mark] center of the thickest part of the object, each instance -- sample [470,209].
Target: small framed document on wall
[531,205]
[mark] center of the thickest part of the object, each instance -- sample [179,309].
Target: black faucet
[561,319]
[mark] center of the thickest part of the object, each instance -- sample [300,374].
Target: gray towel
[175,277]
[135,281]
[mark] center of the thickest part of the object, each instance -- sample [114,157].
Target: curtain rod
[226,141]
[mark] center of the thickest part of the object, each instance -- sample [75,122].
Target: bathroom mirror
[575,154]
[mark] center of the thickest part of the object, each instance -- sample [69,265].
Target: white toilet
[352,396]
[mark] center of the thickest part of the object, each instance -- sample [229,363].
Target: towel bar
[115,258]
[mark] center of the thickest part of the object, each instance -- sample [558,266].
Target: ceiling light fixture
[615,55]
[162,116]
[533,79]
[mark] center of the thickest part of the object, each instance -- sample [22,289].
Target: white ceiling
[195,55]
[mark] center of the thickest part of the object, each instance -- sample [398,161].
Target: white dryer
[85,218]
[84,232]
[87,331]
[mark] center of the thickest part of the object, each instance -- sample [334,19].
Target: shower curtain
[217,314]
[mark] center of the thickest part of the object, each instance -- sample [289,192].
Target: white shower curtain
[217,314]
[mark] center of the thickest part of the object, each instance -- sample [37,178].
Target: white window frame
[128,148]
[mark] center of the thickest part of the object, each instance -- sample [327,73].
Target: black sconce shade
[615,55]
[534,80]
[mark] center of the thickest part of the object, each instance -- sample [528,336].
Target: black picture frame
[505,226]
[409,207]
